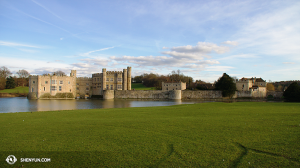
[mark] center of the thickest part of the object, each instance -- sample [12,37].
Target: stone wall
[201,94]
[141,94]
[275,94]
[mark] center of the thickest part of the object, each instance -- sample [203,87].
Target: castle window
[95,79]
[107,87]
[61,82]
[70,90]
[33,82]
[53,81]
[119,79]
[119,86]
[53,88]
[87,84]
[46,82]
[77,88]
[107,79]
[32,89]
[98,79]
[77,83]
[59,88]
[69,82]
[111,79]
[111,87]
[87,88]
[44,88]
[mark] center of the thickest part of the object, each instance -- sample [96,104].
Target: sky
[203,39]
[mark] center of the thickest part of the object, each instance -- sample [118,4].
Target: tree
[59,73]
[23,73]
[23,78]
[138,79]
[270,87]
[4,73]
[292,93]
[10,83]
[226,85]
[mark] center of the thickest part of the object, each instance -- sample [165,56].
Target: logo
[11,159]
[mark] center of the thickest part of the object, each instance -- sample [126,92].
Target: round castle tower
[128,78]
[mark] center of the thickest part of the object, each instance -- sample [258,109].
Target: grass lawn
[19,89]
[140,86]
[242,134]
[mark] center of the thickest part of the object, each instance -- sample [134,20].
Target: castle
[41,86]
[257,87]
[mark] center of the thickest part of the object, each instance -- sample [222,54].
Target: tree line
[7,81]
[155,80]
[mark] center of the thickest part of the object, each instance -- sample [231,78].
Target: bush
[270,97]
[226,85]
[292,93]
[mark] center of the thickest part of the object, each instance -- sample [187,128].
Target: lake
[22,104]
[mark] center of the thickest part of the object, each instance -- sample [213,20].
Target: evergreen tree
[292,93]
[10,83]
[226,85]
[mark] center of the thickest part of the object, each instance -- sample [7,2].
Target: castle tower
[128,78]
[73,73]
[124,79]
[104,79]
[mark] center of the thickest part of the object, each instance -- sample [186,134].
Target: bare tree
[59,73]
[23,73]
[4,72]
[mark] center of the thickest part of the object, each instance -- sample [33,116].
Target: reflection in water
[22,104]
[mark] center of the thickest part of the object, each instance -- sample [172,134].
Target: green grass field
[19,89]
[243,134]
[140,86]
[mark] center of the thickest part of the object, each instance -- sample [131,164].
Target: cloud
[288,62]
[12,44]
[102,49]
[47,9]
[201,50]
[234,43]
[240,56]
[219,68]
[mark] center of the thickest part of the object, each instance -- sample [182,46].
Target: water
[22,104]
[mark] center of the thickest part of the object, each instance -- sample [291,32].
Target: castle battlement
[83,78]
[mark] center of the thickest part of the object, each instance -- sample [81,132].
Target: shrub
[292,93]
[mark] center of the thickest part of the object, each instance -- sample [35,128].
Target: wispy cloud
[47,9]
[41,20]
[12,44]
[288,62]
[240,56]
[102,49]
[234,43]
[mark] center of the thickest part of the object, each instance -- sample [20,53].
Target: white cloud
[12,44]
[288,62]
[33,66]
[234,43]
[102,49]
[240,56]
[47,9]
[219,68]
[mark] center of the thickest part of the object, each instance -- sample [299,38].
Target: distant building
[257,86]
[80,86]
[173,86]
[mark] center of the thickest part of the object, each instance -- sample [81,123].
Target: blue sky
[204,39]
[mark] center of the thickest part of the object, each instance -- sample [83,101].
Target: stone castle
[41,86]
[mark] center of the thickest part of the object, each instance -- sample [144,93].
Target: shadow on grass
[245,151]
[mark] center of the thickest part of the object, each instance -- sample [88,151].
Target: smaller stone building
[257,87]
[173,86]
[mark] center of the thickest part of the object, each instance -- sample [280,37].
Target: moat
[22,104]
